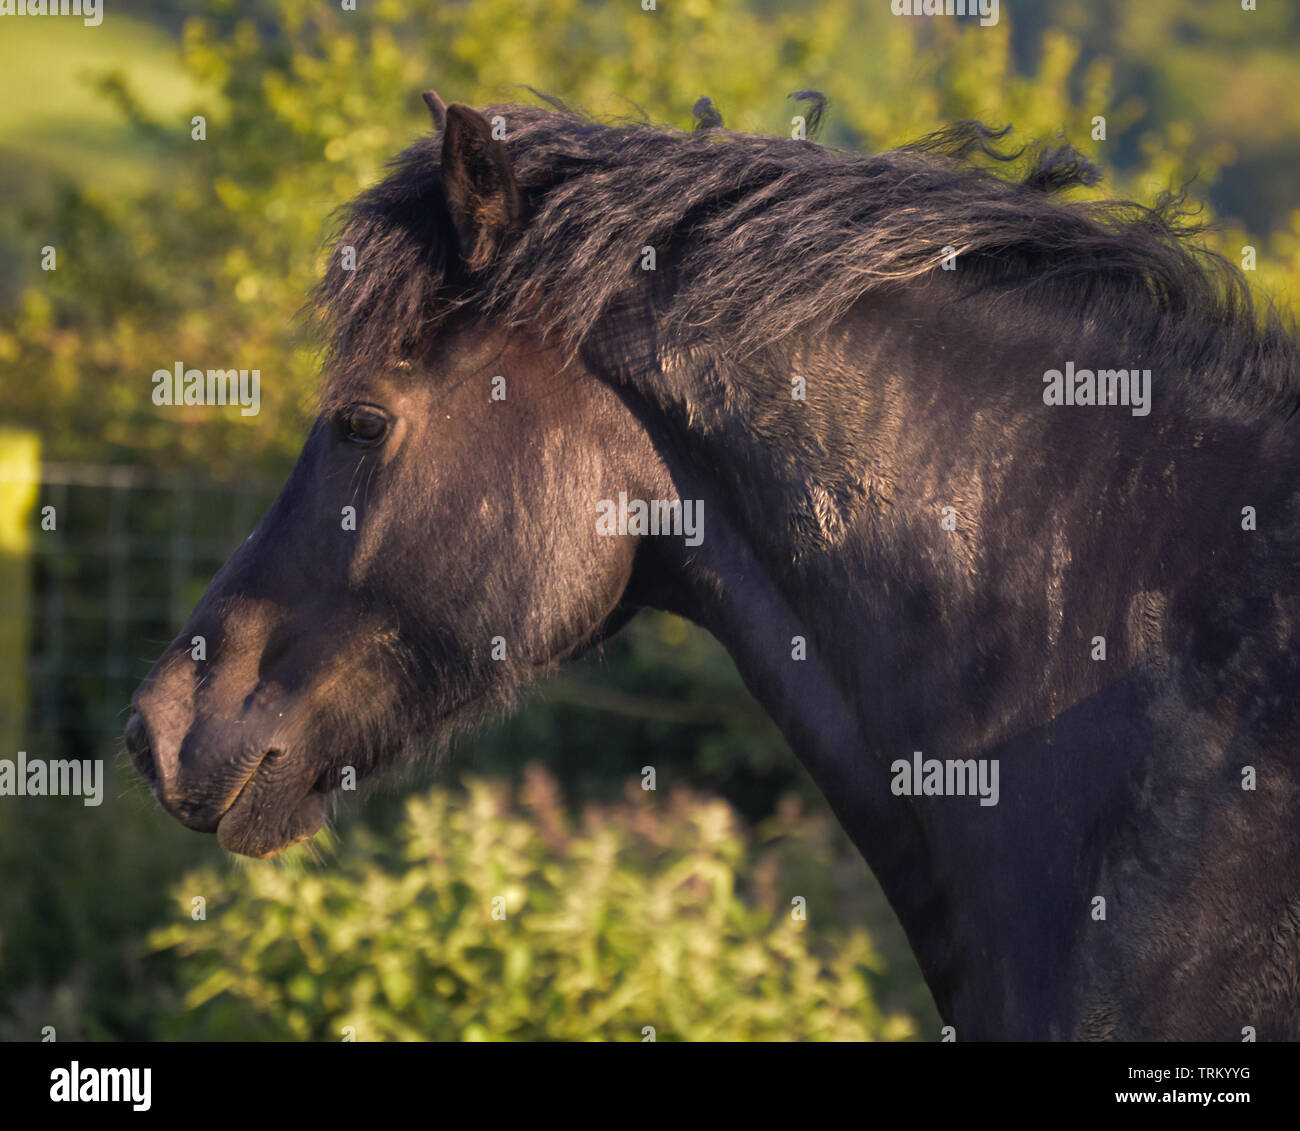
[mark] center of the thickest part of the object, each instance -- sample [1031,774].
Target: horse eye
[364,426]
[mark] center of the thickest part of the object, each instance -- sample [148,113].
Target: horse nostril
[137,745]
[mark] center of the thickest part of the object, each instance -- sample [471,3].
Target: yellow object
[20,477]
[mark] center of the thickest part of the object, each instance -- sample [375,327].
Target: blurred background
[625,908]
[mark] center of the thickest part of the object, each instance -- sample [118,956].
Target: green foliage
[65,130]
[303,106]
[81,887]
[648,912]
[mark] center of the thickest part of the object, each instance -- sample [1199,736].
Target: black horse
[995,507]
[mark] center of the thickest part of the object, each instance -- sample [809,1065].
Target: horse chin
[278,808]
[260,826]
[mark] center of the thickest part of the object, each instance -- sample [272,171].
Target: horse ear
[437,108]
[483,197]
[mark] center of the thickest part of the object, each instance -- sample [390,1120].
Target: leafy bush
[488,919]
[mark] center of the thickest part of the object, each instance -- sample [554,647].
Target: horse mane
[757,238]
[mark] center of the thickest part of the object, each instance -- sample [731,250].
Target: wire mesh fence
[114,575]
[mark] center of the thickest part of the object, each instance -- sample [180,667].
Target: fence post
[20,477]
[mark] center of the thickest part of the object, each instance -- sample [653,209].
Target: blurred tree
[304,106]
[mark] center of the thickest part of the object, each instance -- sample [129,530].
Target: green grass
[52,119]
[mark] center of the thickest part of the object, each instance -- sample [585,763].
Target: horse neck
[981,640]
